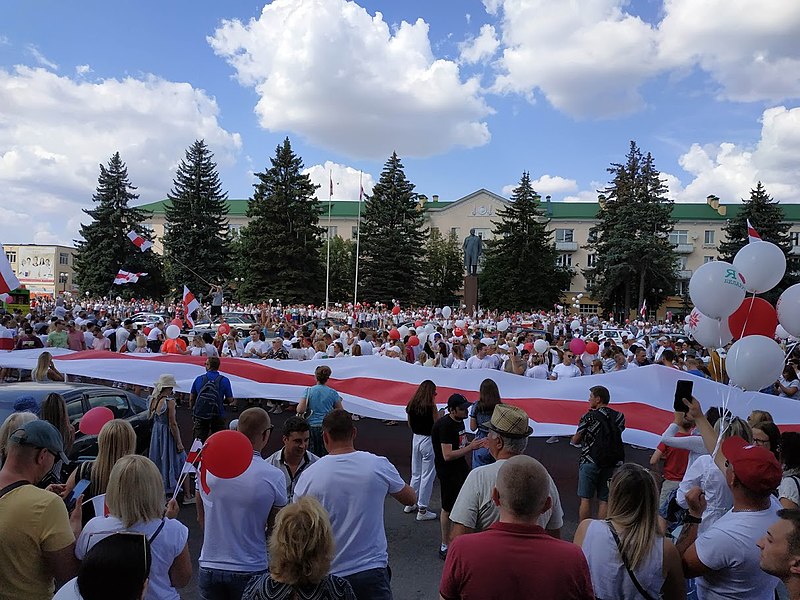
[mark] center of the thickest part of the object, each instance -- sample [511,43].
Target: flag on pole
[330,180]
[752,234]
[643,312]
[190,304]
[138,241]
[124,277]
[190,466]
[361,192]
[8,280]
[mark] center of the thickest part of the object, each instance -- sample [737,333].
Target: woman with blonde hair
[13,422]
[166,446]
[300,552]
[135,501]
[45,369]
[421,413]
[627,554]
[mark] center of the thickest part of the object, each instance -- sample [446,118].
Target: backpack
[206,406]
[607,449]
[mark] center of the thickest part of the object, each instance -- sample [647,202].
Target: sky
[469,93]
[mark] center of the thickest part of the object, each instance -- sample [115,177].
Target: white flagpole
[328,263]
[358,235]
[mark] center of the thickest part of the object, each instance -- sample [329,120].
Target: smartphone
[683,389]
[79,488]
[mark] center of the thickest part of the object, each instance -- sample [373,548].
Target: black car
[80,397]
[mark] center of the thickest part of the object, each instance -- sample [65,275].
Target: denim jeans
[215,584]
[372,584]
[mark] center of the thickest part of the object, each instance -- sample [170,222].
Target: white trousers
[422,471]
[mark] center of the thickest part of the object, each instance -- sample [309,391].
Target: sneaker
[427,515]
[443,554]
[410,509]
[552,440]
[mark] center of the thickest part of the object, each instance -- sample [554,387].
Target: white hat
[393,349]
[487,341]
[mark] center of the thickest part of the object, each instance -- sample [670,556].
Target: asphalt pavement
[413,546]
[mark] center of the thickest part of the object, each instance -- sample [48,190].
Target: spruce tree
[635,259]
[392,239]
[106,248]
[281,243]
[443,270]
[343,268]
[767,218]
[519,270]
[196,238]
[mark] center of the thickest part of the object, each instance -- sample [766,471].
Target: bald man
[514,558]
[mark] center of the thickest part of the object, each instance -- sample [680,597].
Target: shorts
[216,311]
[593,480]
[450,486]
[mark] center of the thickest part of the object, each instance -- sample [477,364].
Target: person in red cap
[725,558]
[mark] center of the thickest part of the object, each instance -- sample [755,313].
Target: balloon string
[747,318]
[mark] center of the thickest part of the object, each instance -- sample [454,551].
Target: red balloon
[528,346]
[177,322]
[577,345]
[94,419]
[755,316]
[592,347]
[227,454]
[458,332]
[395,310]
[418,323]
[394,334]
[223,329]
[413,341]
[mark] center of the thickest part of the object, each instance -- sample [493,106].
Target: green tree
[392,239]
[634,257]
[343,268]
[105,247]
[196,238]
[443,270]
[281,243]
[519,269]
[767,218]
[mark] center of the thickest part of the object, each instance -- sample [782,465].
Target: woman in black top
[422,414]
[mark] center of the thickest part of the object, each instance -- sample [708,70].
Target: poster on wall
[35,269]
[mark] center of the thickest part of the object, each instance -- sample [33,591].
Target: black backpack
[206,406]
[607,450]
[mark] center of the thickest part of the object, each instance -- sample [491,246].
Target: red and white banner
[752,234]
[190,304]
[8,280]
[138,241]
[124,277]
[379,387]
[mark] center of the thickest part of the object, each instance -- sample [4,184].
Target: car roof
[11,392]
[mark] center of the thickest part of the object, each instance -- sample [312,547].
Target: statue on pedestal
[473,248]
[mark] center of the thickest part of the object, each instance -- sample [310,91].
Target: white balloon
[580,296]
[709,332]
[423,337]
[403,331]
[686,329]
[502,325]
[173,331]
[781,333]
[717,289]
[541,346]
[576,324]
[754,362]
[789,309]
[430,328]
[446,312]
[762,264]
[460,323]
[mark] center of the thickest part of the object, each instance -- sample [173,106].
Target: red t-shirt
[514,561]
[675,460]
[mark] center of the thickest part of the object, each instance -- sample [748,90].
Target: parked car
[242,322]
[141,320]
[80,397]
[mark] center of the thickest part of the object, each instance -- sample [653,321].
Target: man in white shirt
[256,347]
[565,369]
[352,485]
[479,360]
[366,347]
[155,337]
[123,332]
[236,515]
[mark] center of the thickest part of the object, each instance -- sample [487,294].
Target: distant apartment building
[43,270]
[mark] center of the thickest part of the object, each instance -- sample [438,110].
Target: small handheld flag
[8,280]
[138,241]
[124,277]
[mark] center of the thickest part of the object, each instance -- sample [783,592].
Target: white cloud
[54,131]
[587,195]
[481,48]
[82,70]
[345,181]
[346,80]
[4,41]
[41,58]
[468,17]
[547,185]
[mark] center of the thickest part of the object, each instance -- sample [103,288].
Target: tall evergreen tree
[343,268]
[392,239]
[767,217]
[196,238]
[635,259]
[443,270]
[105,247]
[281,242]
[519,270]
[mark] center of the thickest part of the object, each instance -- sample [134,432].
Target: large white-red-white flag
[124,277]
[8,280]
[190,304]
[138,241]
[752,234]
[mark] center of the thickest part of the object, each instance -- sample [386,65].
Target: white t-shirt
[122,336]
[169,543]
[729,549]
[538,372]
[256,346]
[236,512]
[789,486]
[154,334]
[366,348]
[69,591]
[477,363]
[562,371]
[704,473]
[458,363]
[352,487]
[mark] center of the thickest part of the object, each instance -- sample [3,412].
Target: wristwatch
[688,519]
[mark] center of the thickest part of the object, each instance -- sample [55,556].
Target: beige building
[44,270]
[695,236]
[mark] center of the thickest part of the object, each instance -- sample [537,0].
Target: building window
[794,236]
[564,259]
[434,230]
[591,261]
[592,237]
[11,256]
[331,231]
[679,236]
[708,237]
[483,232]
[148,227]
[235,230]
[354,232]
[565,235]
[708,259]
[680,263]
[63,258]
[588,309]
[454,231]
[681,287]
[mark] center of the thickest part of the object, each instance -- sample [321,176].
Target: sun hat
[509,421]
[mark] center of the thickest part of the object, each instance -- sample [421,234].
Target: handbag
[635,581]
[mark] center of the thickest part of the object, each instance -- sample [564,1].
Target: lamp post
[62,278]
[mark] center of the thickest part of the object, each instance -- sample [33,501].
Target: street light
[62,278]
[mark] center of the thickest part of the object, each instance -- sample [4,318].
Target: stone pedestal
[471,293]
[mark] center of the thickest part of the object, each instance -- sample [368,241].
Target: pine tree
[443,270]
[519,270]
[281,243]
[392,239]
[196,238]
[635,259]
[767,218]
[343,268]
[105,247]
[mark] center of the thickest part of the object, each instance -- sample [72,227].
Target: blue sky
[470,93]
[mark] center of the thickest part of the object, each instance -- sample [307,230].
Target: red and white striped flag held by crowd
[190,304]
[124,277]
[138,241]
[8,281]
[752,234]
[643,312]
